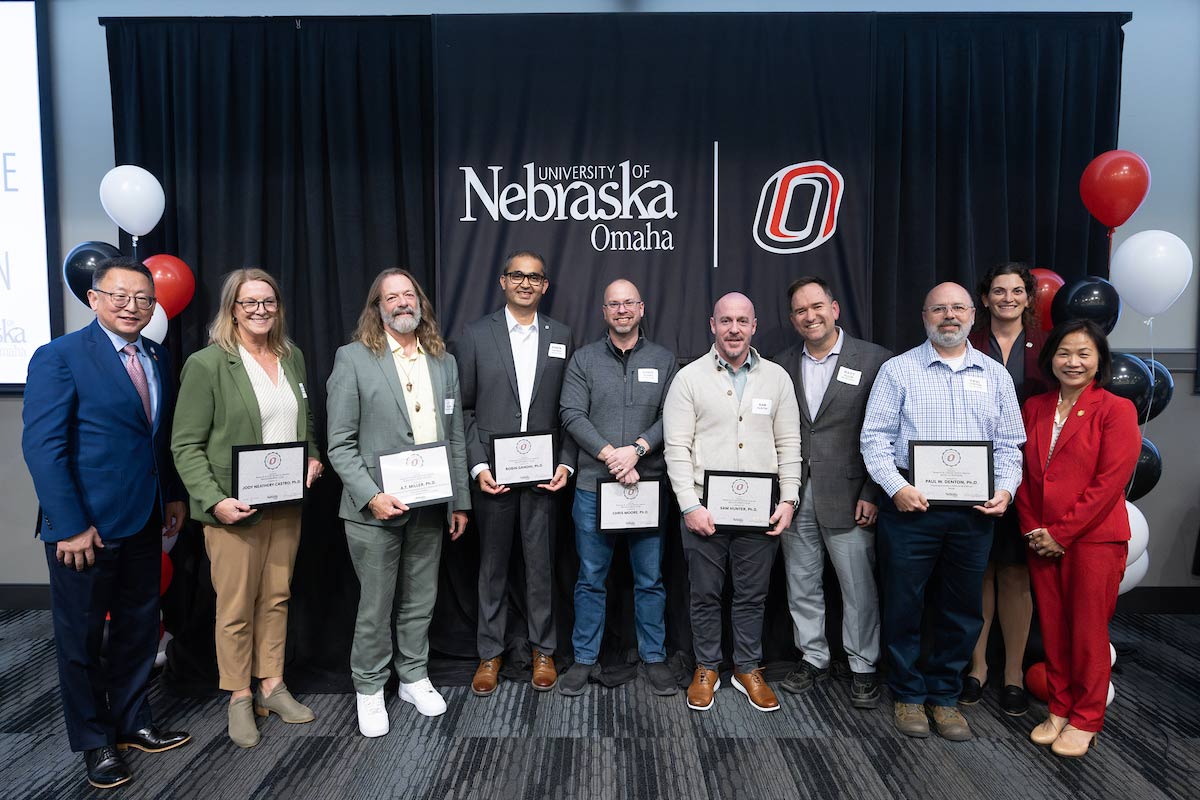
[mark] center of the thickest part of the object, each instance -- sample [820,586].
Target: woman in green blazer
[246,388]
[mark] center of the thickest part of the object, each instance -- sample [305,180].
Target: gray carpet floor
[625,742]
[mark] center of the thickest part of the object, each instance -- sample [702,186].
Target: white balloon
[1112,692]
[157,329]
[132,198]
[1134,573]
[1139,533]
[1150,270]
[1112,654]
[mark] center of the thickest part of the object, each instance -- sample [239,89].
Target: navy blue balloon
[1131,380]
[1147,472]
[1164,388]
[81,262]
[1088,298]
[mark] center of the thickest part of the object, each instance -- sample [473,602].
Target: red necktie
[133,365]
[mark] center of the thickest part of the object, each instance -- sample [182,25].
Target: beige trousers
[252,575]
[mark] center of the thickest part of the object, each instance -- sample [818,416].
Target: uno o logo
[272,460]
[523,446]
[415,460]
[740,487]
[951,458]
[630,492]
[798,208]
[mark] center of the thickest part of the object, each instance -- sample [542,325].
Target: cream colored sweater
[705,427]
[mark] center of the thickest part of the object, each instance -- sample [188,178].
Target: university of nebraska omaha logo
[798,208]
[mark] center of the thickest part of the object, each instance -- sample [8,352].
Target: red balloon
[1035,681]
[174,284]
[1048,284]
[1114,185]
[168,572]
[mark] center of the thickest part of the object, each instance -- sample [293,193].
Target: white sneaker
[372,715]
[422,695]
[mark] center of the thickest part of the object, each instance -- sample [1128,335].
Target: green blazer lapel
[293,370]
[387,366]
[241,382]
[438,380]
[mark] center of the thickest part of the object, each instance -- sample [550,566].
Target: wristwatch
[795,505]
[641,451]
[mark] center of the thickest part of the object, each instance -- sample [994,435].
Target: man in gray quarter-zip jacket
[611,405]
[731,410]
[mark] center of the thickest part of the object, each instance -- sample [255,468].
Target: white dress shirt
[817,373]
[524,341]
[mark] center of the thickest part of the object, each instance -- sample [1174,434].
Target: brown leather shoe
[702,688]
[756,690]
[911,720]
[487,676]
[950,723]
[545,676]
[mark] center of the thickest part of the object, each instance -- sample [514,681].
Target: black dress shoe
[1014,701]
[151,740]
[864,690]
[804,677]
[972,691]
[106,768]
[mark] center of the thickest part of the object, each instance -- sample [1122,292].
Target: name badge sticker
[649,375]
[557,350]
[849,376]
[448,406]
[303,393]
[974,383]
[760,405]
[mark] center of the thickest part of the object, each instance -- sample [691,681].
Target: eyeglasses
[250,306]
[535,279]
[941,311]
[143,302]
[615,305]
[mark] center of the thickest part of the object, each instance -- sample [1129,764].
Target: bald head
[623,311]
[948,315]
[733,324]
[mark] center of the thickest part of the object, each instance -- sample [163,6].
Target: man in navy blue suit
[98,407]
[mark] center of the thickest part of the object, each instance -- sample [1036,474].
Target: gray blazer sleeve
[455,433]
[343,410]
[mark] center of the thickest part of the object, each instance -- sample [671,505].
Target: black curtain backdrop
[983,125]
[306,147]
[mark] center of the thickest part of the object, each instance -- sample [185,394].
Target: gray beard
[402,324]
[947,340]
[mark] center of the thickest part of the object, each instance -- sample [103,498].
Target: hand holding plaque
[266,475]
[523,459]
[740,501]
[417,476]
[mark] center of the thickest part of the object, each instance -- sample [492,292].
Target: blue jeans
[931,560]
[595,551]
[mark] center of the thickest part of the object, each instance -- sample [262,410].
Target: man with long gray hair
[394,388]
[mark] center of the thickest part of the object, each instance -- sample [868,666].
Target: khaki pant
[252,575]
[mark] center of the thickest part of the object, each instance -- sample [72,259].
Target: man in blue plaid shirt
[942,390]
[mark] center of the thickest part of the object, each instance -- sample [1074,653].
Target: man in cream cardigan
[731,410]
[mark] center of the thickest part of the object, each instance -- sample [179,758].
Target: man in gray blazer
[512,364]
[833,373]
[394,388]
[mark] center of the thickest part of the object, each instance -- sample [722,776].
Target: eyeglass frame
[535,279]
[136,298]
[615,305]
[255,305]
[940,310]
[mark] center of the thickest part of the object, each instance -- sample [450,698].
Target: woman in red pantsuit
[1082,446]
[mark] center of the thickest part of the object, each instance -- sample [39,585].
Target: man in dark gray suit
[394,388]
[512,364]
[833,373]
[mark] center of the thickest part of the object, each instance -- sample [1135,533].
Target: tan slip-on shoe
[1045,733]
[281,703]
[242,729]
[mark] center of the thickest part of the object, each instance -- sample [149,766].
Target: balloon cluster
[134,200]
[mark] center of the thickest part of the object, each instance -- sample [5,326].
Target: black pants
[749,556]
[103,699]
[531,515]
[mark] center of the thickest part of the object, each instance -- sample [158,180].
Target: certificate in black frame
[445,443]
[951,444]
[523,435]
[709,474]
[600,507]
[238,449]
